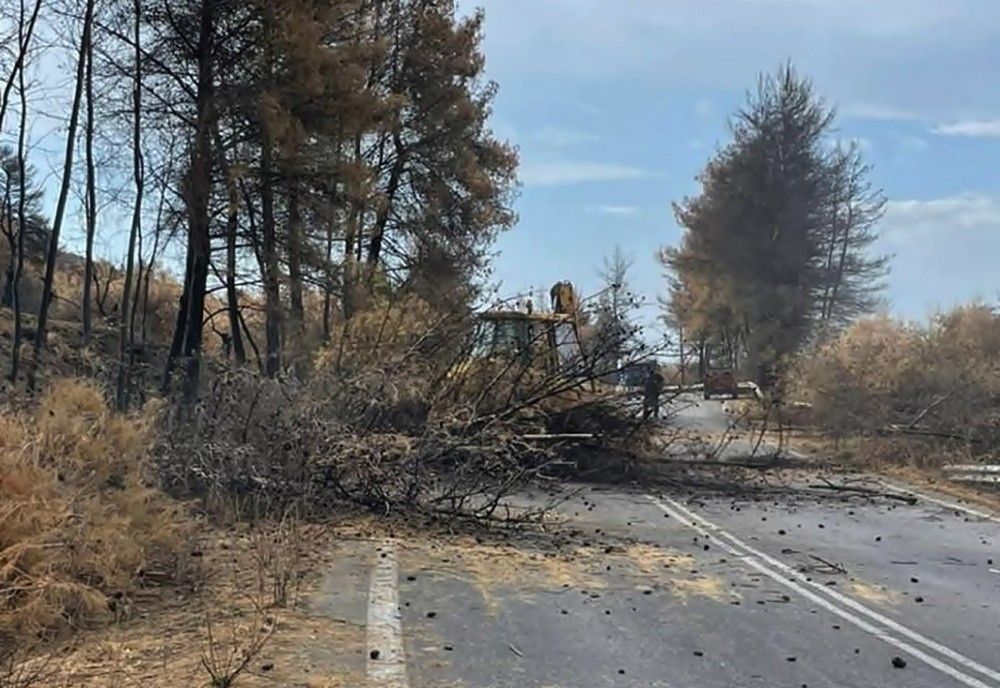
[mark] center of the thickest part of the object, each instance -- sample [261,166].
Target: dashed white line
[822,596]
[386,656]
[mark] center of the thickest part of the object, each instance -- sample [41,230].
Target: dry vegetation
[916,395]
[80,520]
[395,416]
[223,627]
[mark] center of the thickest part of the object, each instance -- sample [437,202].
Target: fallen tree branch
[894,429]
[923,414]
[837,568]
[864,491]
[559,436]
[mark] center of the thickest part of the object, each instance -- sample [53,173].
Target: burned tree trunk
[52,253]
[272,291]
[232,234]
[91,200]
[186,345]
[125,331]
[269,267]
[295,241]
[17,258]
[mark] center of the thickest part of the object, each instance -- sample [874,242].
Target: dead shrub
[935,389]
[277,549]
[231,646]
[26,667]
[80,517]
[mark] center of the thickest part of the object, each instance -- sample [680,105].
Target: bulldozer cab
[548,341]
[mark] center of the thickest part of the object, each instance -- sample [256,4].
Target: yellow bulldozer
[546,342]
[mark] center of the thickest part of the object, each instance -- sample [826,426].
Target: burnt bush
[935,389]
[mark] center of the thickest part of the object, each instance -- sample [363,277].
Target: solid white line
[386,657]
[867,627]
[851,602]
[954,506]
[798,582]
[906,490]
[848,601]
[971,468]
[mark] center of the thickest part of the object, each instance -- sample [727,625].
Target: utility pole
[680,331]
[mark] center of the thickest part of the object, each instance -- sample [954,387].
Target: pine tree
[776,242]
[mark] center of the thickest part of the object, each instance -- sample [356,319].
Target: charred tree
[126,334]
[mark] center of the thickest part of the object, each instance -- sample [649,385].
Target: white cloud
[970,128]
[560,137]
[944,251]
[917,220]
[620,210]
[878,112]
[863,143]
[576,172]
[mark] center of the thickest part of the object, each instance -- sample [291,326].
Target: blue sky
[617,104]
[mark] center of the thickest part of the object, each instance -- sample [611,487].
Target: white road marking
[900,489]
[819,594]
[386,656]
[846,600]
[954,506]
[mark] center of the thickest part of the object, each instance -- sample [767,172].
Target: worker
[651,394]
[563,298]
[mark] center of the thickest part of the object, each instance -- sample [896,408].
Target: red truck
[720,381]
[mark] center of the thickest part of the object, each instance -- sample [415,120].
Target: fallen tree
[403,412]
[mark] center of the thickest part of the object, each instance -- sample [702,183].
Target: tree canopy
[776,244]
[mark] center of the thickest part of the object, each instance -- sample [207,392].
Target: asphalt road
[774,585]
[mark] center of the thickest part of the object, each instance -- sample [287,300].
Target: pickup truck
[720,381]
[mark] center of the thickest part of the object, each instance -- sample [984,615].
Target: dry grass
[871,593]
[79,516]
[226,623]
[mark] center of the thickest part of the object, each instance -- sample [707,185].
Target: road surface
[775,584]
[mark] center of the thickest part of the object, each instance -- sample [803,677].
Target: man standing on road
[651,393]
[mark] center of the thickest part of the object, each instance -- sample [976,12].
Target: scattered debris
[828,566]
